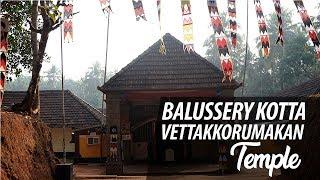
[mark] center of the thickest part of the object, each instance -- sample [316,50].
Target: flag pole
[246,58]
[103,123]
[105,65]
[63,107]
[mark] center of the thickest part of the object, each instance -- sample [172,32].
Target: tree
[44,18]
[86,87]
[237,54]
[286,66]
[20,55]
[52,79]
[93,78]
[18,84]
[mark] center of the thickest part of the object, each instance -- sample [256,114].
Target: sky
[129,38]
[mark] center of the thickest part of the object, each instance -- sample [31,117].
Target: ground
[26,149]
[203,171]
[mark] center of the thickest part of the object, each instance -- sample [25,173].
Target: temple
[133,97]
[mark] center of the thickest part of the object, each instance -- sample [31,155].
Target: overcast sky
[129,38]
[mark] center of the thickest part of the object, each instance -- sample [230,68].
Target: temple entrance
[147,146]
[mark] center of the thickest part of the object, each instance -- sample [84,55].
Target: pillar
[114,164]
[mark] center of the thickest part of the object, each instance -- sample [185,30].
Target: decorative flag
[67,24]
[221,41]
[280,22]
[162,49]
[105,6]
[233,21]
[3,62]
[187,25]
[264,37]
[3,66]
[3,53]
[4,35]
[138,10]
[308,25]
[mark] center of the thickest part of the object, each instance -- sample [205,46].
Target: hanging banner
[280,22]
[138,10]
[264,37]
[3,53]
[67,24]
[221,41]
[233,21]
[105,6]
[308,25]
[4,34]
[3,62]
[162,49]
[187,25]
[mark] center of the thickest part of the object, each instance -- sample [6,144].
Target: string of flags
[3,51]
[187,26]
[264,37]
[67,24]
[277,7]
[233,21]
[308,25]
[220,37]
[221,41]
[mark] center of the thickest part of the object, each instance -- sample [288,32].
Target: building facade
[79,115]
[133,97]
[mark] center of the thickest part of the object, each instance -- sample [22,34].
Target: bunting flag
[4,35]
[187,25]
[280,22]
[308,25]
[67,24]
[264,37]
[105,6]
[221,41]
[138,10]
[162,49]
[233,21]
[3,53]
[3,62]
[3,65]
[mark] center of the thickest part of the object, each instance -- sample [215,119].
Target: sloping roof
[78,113]
[173,71]
[308,88]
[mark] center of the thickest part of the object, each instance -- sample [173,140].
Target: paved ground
[199,171]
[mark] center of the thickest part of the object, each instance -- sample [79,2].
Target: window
[93,140]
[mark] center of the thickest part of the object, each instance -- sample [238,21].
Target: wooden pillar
[114,159]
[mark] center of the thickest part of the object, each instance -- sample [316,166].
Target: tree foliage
[20,54]
[85,88]
[285,67]
[29,36]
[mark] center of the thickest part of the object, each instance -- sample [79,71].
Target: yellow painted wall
[89,151]
[57,140]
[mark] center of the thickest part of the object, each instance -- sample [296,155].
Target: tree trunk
[31,102]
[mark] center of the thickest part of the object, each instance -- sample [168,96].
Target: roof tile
[79,114]
[173,71]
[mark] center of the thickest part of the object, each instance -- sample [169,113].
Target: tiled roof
[308,88]
[174,71]
[78,113]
